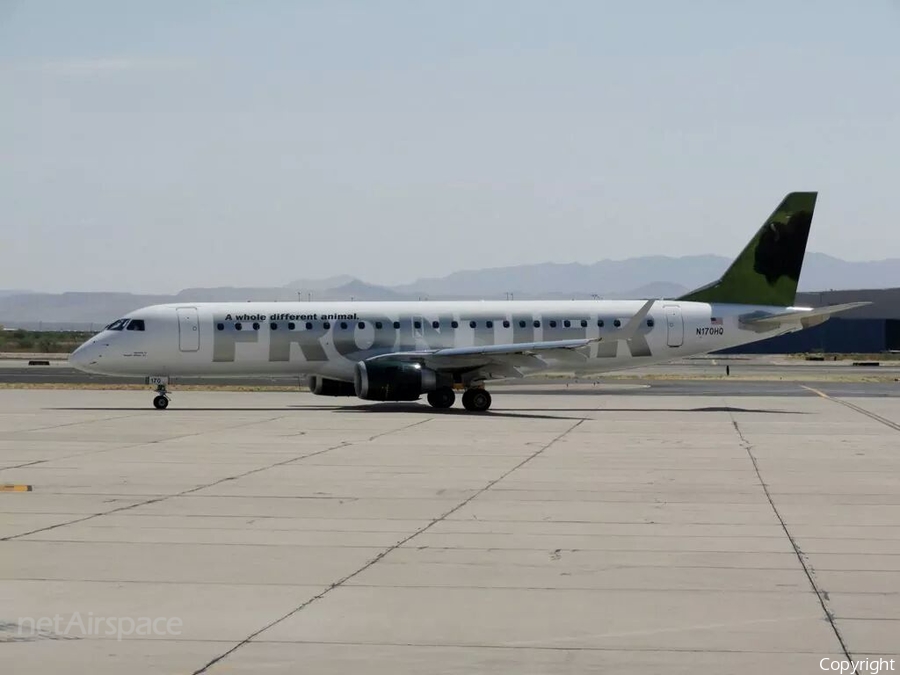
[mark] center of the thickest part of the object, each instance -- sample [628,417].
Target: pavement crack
[75,424]
[387,551]
[403,428]
[161,498]
[821,594]
[205,486]
[130,446]
[22,466]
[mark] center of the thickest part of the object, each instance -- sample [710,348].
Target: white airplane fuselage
[399,351]
[328,339]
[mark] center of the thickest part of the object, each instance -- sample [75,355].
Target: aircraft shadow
[364,409]
[428,410]
[525,413]
[765,411]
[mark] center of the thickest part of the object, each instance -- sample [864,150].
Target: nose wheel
[476,400]
[161,400]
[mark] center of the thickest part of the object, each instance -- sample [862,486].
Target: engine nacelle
[396,380]
[323,386]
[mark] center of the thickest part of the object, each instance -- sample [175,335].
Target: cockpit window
[136,324]
[117,325]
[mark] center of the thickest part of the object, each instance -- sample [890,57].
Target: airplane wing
[799,317]
[504,360]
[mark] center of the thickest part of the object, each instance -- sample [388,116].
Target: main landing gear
[473,400]
[441,398]
[476,400]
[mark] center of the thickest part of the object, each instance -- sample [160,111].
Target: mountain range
[643,277]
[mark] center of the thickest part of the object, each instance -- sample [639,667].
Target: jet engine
[396,380]
[323,386]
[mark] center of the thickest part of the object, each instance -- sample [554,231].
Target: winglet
[634,323]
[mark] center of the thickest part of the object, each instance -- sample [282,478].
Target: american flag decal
[715,321]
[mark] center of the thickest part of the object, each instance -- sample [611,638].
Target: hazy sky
[160,145]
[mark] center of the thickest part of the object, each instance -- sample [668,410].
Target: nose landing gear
[161,400]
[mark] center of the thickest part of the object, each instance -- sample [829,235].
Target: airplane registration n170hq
[399,351]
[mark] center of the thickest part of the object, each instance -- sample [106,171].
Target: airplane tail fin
[768,269]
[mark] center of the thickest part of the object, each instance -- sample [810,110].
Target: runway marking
[820,594]
[15,488]
[385,552]
[852,406]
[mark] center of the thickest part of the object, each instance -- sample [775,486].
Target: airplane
[399,351]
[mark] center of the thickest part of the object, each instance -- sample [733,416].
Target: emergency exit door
[188,329]
[674,326]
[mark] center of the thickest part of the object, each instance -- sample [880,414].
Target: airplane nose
[78,358]
[85,357]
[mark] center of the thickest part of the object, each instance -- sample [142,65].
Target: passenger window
[537,324]
[567,324]
[505,324]
[361,324]
[220,326]
[489,324]
[650,323]
[552,324]
[521,324]
[273,326]
[238,326]
[291,326]
[255,326]
[309,325]
[435,324]
[600,323]
[584,323]
[396,325]
[326,325]
[417,325]
[454,324]
[378,325]
[617,323]
[472,324]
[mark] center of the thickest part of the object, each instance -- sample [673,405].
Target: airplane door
[674,326]
[188,329]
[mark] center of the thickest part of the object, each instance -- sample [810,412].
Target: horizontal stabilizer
[804,317]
